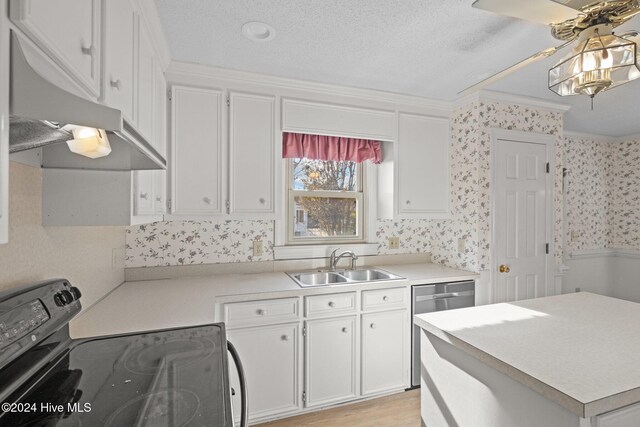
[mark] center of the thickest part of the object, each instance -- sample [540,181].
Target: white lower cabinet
[270,357]
[330,361]
[384,344]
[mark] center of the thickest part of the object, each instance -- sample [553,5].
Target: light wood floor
[398,410]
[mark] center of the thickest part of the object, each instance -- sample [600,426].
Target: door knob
[504,268]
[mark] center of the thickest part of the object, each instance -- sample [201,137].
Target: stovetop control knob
[58,300]
[66,297]
[75,292]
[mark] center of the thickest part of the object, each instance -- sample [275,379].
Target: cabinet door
[68,31]
[121,24]
[330,361]
[384,351]
[423,166]
[252,154]
[146,86]
[143,196]
[196,151]
[270,357]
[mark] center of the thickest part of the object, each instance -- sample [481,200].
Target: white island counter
[559,361]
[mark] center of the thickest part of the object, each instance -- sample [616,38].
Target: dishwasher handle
[244,408]
[420,298]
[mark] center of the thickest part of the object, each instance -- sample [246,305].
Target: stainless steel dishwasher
[435,297]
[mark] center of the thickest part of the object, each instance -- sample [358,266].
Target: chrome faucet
[333,259]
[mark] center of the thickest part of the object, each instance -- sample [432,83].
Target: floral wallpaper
[624,195]
[588,163]
[221,241]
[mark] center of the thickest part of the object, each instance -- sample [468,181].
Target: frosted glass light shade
[89,142]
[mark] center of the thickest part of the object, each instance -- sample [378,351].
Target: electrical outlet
[462,243]
[257,248]
[394,242]
[575,235]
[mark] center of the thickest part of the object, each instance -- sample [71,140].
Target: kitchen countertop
[579,350]
[188,301]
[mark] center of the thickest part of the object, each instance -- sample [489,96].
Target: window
[325,201]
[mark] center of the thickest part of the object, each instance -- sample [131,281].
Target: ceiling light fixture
[599,62]
[258,31]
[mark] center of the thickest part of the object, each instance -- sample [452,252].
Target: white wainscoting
[611,272]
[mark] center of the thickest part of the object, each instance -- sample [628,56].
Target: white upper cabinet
[69,31]
[146,82]
[121,26]
[4,138]
[422,168]
[252,154]
[196,151]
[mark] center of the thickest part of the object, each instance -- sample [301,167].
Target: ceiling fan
[599,59]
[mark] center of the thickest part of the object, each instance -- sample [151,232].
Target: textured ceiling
[425,48]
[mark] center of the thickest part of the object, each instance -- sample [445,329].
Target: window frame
[358,195]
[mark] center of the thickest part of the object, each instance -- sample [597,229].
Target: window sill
[322,251]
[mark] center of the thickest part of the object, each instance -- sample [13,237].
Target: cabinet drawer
[264,312]
[319,305]
[384,298]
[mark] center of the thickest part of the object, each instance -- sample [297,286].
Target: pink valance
[321,147]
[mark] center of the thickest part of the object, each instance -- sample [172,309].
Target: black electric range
[171,377]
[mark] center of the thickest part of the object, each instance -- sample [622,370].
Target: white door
[383,351]
[269,356]
[521,219]
[330,361]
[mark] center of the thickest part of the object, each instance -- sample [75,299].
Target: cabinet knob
[260,312]
[372,326]
[116,84]
[408,202]
[332,304]
[262,201]
[207,200]
[91,50]
[385,298]
[144,196]
[158,199]
[285,338]
[345,329]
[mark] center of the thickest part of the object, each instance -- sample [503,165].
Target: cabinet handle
[207,200]
[385,298]
[332,304]
[91,50]
[345,329]
[260,312]
[372,326]
[285,338]
[116,84]
[144,196]
[262,201]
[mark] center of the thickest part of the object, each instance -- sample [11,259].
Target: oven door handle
[244,408]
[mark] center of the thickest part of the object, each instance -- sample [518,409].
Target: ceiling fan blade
[507,71]
[575,4]
[541,11]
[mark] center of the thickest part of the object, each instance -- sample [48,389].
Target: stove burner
[99,349]
[165,407]
[183,352]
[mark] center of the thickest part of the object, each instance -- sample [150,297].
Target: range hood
[39,109]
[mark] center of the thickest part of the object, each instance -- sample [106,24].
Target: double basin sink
[341,277]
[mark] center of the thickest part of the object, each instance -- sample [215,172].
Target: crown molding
[603,138]
[495,96]
[590,136]
[150,15]
[206,71]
